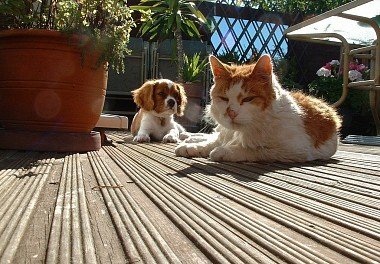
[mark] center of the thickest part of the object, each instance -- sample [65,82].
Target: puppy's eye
[223,98]
[161,94]
[248,99]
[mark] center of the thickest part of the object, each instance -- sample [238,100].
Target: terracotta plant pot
[194,109]
[194,90]
[45,85]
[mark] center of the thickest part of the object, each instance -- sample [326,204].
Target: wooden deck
[138,203]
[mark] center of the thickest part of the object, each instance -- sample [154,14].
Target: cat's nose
[231,113]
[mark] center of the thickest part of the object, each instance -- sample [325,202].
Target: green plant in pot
[171,19]
[193,72]
[55,55]
[193,67]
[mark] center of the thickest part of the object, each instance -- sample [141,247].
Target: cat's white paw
[186,150]
[141,138]
[198,137]
[195,139]
[184,135]
[191,150]
[222,154]
[169,138]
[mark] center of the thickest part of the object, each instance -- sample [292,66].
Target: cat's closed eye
[248,99]
[223,98]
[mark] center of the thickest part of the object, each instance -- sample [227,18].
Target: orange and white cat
[260,121]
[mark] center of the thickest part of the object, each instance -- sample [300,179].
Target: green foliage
[330,89]
[230,57]
[161,18]
[286,71]
[107,22]
[294,6]
[169,19]
[193,67]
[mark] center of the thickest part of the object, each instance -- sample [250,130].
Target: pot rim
[32,32]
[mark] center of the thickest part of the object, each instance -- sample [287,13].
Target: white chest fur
[156,127]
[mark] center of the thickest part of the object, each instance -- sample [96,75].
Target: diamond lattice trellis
[248,32]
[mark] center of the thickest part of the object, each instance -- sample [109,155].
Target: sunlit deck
[139,203]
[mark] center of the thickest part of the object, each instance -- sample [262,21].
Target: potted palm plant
[193,81]
[171,19]
[193,70]
[53,74]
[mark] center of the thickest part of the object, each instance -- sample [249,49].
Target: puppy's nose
[171,103]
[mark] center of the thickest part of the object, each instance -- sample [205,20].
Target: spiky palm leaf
[167,19]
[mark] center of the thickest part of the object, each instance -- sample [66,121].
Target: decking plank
[209,178]
[32,248]
[19,205]
[139,203]
[108,248]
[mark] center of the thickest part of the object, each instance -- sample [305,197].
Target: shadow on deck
[138,203]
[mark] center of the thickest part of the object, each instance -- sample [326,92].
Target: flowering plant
[330,81]
[356,71]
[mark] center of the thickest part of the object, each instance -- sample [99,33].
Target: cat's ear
[218,68]
[264,65]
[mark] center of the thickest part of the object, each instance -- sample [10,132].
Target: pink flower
[332,69]
[361,67]
[328,66]
[352,66]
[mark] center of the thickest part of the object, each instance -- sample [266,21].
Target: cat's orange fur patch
[320,120]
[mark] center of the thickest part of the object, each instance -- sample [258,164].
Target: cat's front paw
[169,138]
[196,139]
[191,150]
[184,135]
[222,154]
[141,138]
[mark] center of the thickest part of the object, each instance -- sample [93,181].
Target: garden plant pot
[47,86]
[194,109]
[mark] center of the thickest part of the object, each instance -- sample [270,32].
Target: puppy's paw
[169,138]
[221,154]
[141,138]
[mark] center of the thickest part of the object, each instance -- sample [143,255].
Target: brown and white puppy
[159,100]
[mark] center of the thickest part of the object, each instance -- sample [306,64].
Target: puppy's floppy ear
[182,100]
[143,96]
